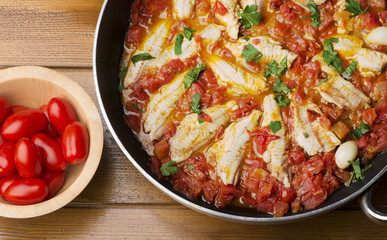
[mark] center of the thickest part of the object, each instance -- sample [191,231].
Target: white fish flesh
[182,9]
[231,18]
[192,135]
[227,154]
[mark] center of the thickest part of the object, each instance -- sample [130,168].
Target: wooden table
[119,202]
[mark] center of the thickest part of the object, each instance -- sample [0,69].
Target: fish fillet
[228,152]
[192,135]
[318,139]
[239,81]
[231,18]
[275,154]
[161,105]
[152,45]
[182,9]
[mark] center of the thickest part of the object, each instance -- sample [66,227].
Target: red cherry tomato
[50,151]
[2,140]
[5,109]
[27,158]
[26,191]
[61,113]
[50,131]
[53,179]
[75,143]
[7,181]
[24,124]
[18,108]
[7,159]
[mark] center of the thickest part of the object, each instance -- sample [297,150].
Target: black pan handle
[369,210]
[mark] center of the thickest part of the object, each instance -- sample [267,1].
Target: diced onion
[377,36]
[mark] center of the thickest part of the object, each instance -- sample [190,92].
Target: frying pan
[108,46]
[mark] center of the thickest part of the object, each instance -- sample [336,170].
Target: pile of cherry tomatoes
[35,147]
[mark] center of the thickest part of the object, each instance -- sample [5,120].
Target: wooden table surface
[119,202]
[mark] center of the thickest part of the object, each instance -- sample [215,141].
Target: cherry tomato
[2,140]
[19,108]
[53,179]
[50,131]
[5,109]
[50,151]
[61,113]
[26,191]
[75,143]
[7,181]
[24,124]
[27,158]
[7,159]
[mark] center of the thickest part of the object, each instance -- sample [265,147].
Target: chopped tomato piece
[314,199]
[161,149]
[220,8]
[280,209]
[325,122]
[369,116]
[340,130]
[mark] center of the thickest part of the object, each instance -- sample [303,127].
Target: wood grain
[119,203]
[47,32]
[176,222]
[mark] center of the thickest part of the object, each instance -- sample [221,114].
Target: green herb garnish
[330,55]
[141,57]
[136,107]
[349,70]
[323,81]
[354,8]
[358,172]
[195,106]
[273,67]
[314,13]
[250,53]
[193,75]
[246,38]
[178,43]
[280,87]
[250,16]
[360,131]
[306,135]
[190,167]
[275,126]
[188,32]
[168,168]
[121,76]
[282,101]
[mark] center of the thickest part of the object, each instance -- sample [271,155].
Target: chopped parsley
[275,126]
[282,101]
[306,135]
[250,53]
[250,16]
[200,120]
[280,87]
[273,67]
[246,38]
[141,57]
[190,167]
[168,168]
[315,15]
[174,70]
[354,8]
[357,171]
[121,76]
[349,70]
[193,75]
[360,131]
[178,43]
[188,32]
[330,55]
[195,106]
[323,81]
[136,107]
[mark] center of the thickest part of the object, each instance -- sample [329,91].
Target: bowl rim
[95,134]
[194,206]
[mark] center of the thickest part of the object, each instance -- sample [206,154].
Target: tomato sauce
[313,178]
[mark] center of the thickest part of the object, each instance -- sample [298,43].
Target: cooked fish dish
[263,104]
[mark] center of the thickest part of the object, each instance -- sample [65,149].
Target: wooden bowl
[33,87]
